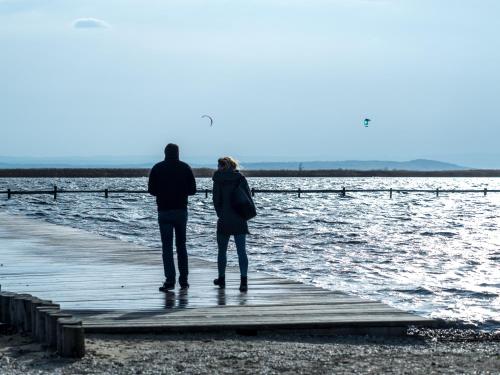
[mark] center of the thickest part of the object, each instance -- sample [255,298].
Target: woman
[227,182]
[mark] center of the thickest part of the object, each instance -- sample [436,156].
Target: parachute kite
[366,122]
[210,118]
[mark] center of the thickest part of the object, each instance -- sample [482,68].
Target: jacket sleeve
[191,182]
[217,198]
[152,183]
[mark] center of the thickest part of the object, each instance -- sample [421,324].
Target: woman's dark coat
[229,221]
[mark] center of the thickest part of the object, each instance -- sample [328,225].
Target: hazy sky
[283,79]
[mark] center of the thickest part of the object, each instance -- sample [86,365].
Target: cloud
[90,23]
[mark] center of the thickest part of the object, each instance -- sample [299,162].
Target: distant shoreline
[207,172]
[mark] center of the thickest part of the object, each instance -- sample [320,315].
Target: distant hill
[356,165]
[359,165]
[208,172]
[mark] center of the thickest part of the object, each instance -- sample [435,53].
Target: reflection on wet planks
[113,286]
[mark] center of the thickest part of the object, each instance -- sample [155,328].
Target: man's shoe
[166,287]
[220,281]
[184,286]
[244,284]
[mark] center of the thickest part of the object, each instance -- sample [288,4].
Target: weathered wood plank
[113,287]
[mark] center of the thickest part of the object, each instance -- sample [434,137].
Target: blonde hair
[227,163]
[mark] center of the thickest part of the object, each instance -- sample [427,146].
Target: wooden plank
[113,287]
[243,310]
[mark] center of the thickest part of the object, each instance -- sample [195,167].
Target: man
[171,181]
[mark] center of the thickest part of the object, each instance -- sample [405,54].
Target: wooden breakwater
[208,172]
[44,321]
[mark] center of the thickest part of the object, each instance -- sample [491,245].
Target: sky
[284,80]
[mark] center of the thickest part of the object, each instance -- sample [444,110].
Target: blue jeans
[222,242]
[170,221]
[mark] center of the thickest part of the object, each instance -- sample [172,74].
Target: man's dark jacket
[171,181]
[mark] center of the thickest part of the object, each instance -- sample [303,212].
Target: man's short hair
[171,150]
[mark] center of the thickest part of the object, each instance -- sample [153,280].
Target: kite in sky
[366,122]
[210,118]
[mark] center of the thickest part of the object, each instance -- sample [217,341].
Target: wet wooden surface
[113,286]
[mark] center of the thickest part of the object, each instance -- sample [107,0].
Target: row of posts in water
[342,192]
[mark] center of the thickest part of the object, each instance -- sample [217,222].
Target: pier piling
[70,338]
[5,301]
[40,332]
[36,302]
[51,318]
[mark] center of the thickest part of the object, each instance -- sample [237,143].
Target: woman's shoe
[220,281]
[244,284]
[167,286]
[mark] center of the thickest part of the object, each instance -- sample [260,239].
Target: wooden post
[40,320]
[12,313]
[390,193]
[55,192]
[18,312]
[2,296]
[437,192]
[14,317]
[70,343]
[73,341]
[9,194]
[343,191]
[34,304]
[485,191]
[253,192]
[51,318]
[298,192]
[39,328]
[106,193]
[27,327]
[206,193]
[5,301]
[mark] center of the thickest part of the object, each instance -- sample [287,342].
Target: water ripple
[436,256]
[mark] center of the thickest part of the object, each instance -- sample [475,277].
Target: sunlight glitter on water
[437,256]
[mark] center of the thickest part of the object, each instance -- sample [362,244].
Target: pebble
[417,354]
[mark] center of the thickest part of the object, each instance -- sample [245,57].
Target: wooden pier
[112,286]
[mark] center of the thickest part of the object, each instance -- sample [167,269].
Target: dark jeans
[222,242]
[170,221]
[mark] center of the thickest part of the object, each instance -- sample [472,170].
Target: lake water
[436,256]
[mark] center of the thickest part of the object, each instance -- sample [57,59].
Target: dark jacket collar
[227,176]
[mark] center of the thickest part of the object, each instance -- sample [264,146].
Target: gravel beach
[262,354]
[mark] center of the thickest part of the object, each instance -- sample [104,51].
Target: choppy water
[438,257]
